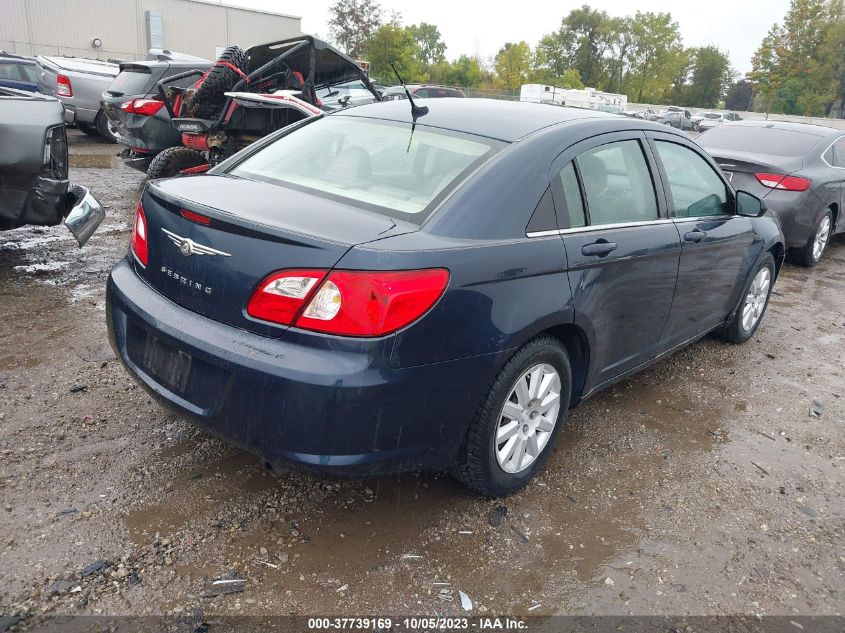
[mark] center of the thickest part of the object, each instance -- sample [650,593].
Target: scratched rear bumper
[324,402]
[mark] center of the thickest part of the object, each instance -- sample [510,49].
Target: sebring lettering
[185,281]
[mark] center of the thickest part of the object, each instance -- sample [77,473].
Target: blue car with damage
[394,287]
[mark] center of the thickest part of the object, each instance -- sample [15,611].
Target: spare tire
[173,160]
[208,98]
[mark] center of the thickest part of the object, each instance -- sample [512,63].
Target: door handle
[696,235]
[598,249]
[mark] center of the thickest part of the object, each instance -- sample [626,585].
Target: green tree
[793,69]
[739,96]
[464,72]
[394,44]
[431,48]
[654,58]
[513,65]
[711,77]
[352,23]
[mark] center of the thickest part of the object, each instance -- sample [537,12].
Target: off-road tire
[733,332]
[173,160]
[804,256]
[208,98]
[102,124]
[476,465]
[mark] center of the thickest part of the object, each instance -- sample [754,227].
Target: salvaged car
[34,187]
[798,169]
[249,94]
[397,286]
[136,110]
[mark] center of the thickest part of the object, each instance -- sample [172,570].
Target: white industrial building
[126,29]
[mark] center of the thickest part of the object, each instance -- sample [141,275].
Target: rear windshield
[385,166]
[135,81]
[759,140]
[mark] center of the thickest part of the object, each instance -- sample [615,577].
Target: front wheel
[513,431]
[811,254]
[753,303]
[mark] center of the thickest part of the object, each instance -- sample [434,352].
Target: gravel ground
[710,484]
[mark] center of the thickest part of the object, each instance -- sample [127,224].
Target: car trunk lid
[740,167]
[253,229]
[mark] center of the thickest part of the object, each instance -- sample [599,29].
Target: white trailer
[586,98]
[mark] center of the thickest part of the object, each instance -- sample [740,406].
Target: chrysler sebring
[392,288]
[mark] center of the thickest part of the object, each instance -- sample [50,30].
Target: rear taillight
[63,87]
[139,236]
[281,296]
[144,107]
[55,161]
[785,183]
[348,302]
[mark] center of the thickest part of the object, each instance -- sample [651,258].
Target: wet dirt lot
[703,486]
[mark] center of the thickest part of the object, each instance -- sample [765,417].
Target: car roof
[806,128]
[493,118]
[9,57]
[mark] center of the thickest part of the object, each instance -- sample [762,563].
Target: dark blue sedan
[370,292]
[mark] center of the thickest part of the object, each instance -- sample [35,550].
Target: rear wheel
[753,303]
[812,252]
[173,160]
[513,431]
[105,128]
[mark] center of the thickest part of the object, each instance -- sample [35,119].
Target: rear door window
[28,72]
[695,187]
[10,72]
[573,215]
[836,154]
[617,184]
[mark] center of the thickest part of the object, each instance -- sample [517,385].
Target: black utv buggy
[249,94]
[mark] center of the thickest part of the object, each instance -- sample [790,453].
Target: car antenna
[416,111]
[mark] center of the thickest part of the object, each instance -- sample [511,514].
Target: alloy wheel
[528,418]
[755,300]
[822,235]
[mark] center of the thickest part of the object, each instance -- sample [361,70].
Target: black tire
[734,331]
[805,256]
[207,100]
[173,160]
[88,129]
[477,465]
[102,123]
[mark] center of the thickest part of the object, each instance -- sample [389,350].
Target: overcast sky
[480,28]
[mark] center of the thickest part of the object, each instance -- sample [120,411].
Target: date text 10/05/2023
[423,623]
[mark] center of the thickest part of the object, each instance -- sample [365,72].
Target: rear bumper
[146,134]
[337,407]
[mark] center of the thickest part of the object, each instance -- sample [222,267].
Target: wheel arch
[577,346]
[778,251]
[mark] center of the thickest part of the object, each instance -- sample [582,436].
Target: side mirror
[750,205]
